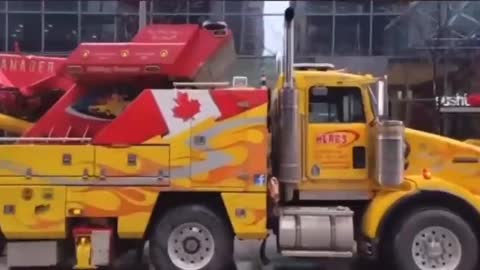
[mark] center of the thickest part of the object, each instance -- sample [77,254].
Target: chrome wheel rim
[436,248]
[190,246]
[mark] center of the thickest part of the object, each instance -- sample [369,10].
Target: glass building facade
[412,42]
[324,28]
[56,27]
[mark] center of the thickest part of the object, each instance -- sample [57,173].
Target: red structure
[80,94]
[474,100]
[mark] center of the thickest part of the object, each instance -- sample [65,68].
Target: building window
[127,27]
[318,32]
[352,35]
[26,29]
[2,5]
[461,28]
[273,32]
[2,32]
[99,6]
[67,6]
[335,105]
[234,6]
[169,19]
[128,6]
[201,6]
[389,35]
[169,6]
[98,28]
[198,19]
[347,7]
[470,9]
[61,32]
[319,7]
[24,5]
[247,7]
[389,8]
[248,33]
[110,6]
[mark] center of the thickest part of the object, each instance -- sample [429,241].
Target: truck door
[336,134]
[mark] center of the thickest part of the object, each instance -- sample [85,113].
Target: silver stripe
[347,195]
[215,158]
[460,109]
[112,181]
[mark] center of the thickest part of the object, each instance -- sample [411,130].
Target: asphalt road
[247,254]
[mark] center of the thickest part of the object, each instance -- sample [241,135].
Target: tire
[201,228]
[456,246]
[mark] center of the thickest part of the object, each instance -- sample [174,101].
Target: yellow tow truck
[315,161]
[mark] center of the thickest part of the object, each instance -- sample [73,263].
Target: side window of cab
[335,105]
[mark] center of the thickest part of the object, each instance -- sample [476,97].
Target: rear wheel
[191,238]
[432,239]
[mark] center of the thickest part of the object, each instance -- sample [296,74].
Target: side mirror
[381,94]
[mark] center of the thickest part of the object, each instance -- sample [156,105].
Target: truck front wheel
[431,239]
[191,238]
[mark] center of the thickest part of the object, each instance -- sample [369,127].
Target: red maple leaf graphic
[186,108]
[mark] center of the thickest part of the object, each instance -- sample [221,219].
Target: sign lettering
[459,100]
[332,151]
[17,64]
[338,138]
[113,69]
[332,138]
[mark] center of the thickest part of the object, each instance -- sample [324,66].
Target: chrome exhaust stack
[288,48]
[290,172]
[390,142]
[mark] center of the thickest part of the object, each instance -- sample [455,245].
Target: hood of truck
[446,158]
[475,142]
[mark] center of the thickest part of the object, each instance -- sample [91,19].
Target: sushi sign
[459,100]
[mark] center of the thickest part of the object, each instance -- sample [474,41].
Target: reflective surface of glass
[61,6]
[26,30]
[328,28]
[25,5]
[98,28]
[60,32]
[2,31]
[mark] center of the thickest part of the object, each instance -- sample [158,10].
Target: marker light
[427,174]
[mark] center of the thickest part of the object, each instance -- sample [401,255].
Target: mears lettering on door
[331,150]
[339,138]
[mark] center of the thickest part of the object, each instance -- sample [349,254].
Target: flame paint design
[43,224]
[253,161]
[438,153]
[122,201]
[245,144]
